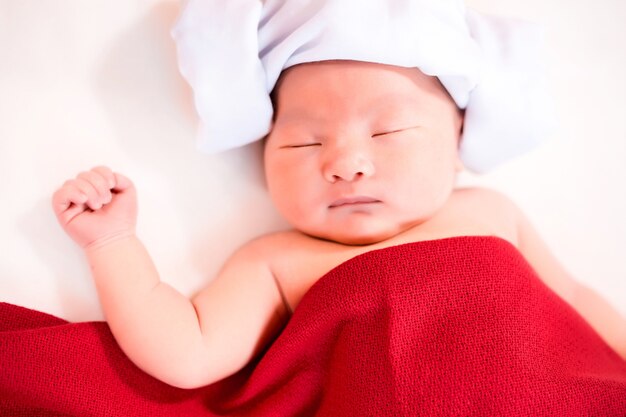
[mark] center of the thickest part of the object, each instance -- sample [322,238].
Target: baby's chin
[353,241]
[359,238]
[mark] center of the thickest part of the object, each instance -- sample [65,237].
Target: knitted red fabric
[455,327]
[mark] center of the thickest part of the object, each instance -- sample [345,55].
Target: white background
[94,82]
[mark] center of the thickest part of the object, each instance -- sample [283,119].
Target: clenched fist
[97,207]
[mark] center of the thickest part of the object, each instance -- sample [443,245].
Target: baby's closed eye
[389,132]
[301,145]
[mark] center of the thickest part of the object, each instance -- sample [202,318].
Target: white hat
[233,51]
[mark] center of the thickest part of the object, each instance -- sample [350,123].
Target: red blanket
[458,326]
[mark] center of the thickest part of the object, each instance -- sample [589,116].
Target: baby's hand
[97,207]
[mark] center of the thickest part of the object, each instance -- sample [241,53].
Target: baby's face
[360,152]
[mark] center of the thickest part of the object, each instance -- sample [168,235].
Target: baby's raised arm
[181,342]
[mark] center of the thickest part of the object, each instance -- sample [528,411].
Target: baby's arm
[184,343]
[597,311]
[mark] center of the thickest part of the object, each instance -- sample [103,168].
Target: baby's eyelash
[393,131]
[304,145]
[387,133]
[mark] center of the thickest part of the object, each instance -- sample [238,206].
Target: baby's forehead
[314,87]
[349,70]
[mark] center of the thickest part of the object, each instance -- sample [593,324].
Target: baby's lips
[355,200]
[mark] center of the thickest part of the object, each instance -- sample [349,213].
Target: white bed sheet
[89,83]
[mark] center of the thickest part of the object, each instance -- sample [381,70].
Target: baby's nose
[348,166]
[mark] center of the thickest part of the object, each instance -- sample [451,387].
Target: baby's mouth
[353,201]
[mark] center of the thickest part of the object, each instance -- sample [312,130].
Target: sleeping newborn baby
[393,285]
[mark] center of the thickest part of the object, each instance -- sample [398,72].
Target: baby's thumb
[122,183]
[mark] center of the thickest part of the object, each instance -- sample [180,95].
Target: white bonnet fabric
[232,53]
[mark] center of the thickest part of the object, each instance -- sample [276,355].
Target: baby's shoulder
[297,261]
[485,208]
[279,244]
[483,198]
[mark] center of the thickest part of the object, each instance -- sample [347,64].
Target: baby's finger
[106,174]
[68,202]
[99,183]
[101,179]
[71,212]
[122,182]
[94,200]
[67,195]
